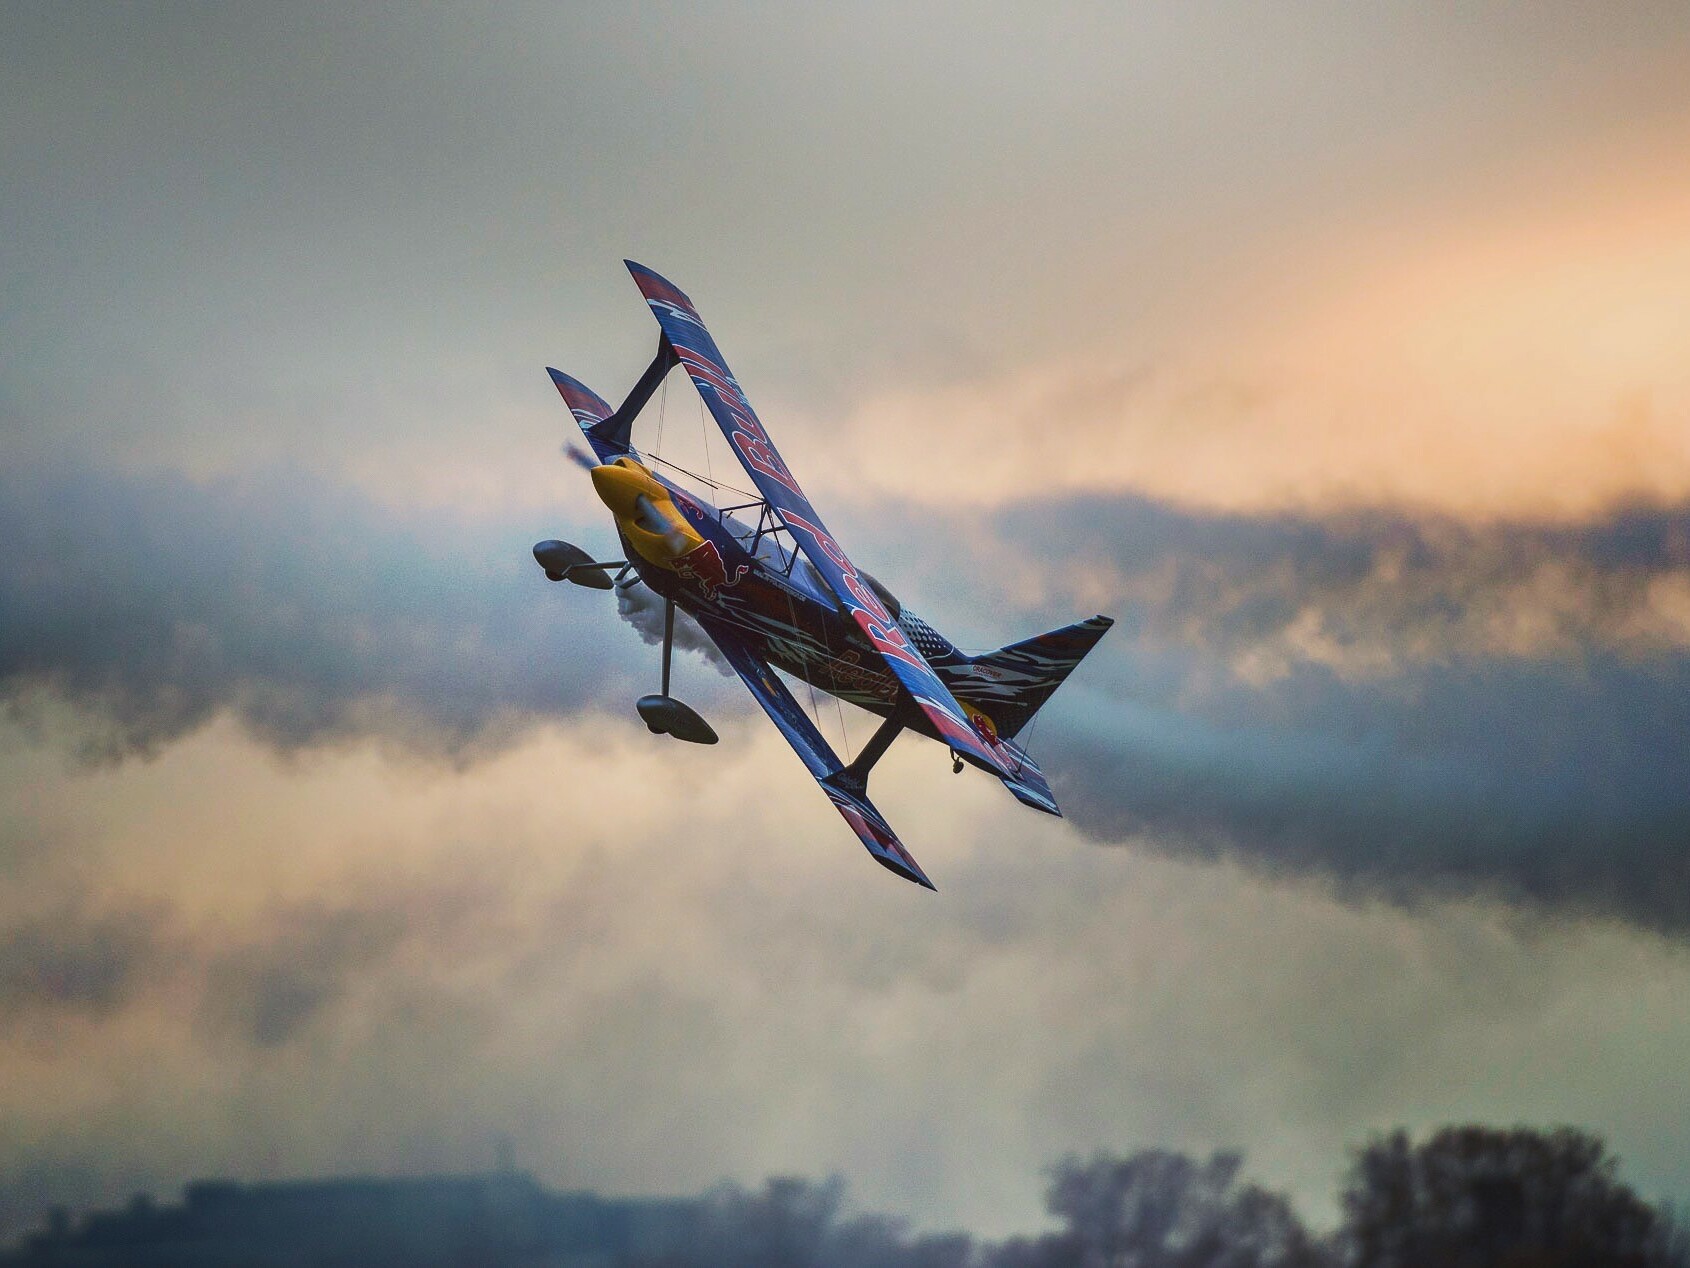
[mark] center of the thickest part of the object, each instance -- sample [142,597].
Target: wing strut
[610,432]
[879,742]
[618,428]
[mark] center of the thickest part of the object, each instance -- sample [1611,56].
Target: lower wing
[848,793]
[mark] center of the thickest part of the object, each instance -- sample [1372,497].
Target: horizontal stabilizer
[1028,783]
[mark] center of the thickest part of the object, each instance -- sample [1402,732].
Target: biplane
[773,589]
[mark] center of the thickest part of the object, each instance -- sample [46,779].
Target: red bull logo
[984,727]
[703,564]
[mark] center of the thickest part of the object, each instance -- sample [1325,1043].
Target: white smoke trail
[643,609]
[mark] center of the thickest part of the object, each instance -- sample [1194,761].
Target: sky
[1341,353]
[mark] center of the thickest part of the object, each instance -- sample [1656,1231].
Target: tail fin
[1011,684]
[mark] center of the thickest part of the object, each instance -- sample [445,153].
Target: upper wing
[685,331]
[848,794]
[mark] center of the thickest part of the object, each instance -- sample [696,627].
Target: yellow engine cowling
[645,512]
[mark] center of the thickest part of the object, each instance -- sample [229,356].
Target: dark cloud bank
[1405,705]
[152,605]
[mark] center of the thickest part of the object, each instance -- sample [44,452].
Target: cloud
[1502,354]
[1528,788]
[635,957]
[1202,430]
[269,989]
[1407,704]
[238,244]
[152,604]
[1364,595]
[342,253]
[74,962]
[260,981]
[642,608]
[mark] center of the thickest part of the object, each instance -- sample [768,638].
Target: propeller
[654,521]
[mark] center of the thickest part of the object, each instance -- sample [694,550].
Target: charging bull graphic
[703,564]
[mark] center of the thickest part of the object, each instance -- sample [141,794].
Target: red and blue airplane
[772,589]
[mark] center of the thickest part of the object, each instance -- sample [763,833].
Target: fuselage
[725,570]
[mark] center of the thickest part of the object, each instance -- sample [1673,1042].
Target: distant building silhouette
[502,1220]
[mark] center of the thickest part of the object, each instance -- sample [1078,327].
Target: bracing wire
[714,484]
[1027,744]
[815,711]
[704,431]
[662,408]
[844,735]
[710,480]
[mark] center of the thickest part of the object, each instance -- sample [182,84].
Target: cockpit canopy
[882,593]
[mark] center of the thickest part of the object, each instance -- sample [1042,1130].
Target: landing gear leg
[668,639]
[663,714]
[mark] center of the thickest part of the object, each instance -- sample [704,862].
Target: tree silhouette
[1158,1209]
[1485,1197]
